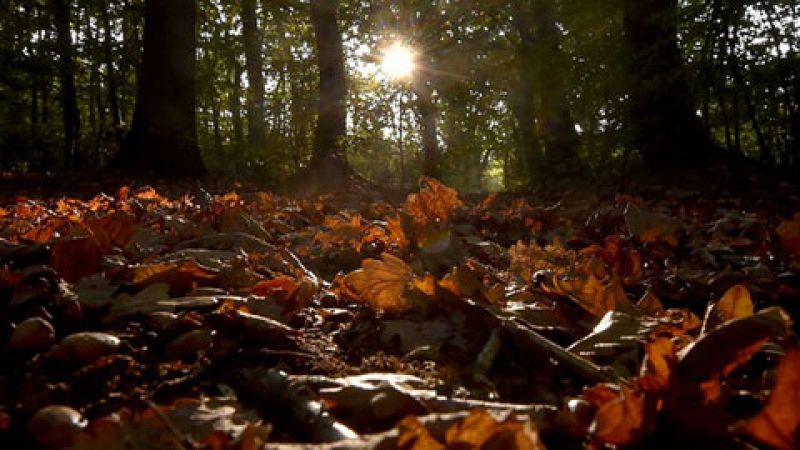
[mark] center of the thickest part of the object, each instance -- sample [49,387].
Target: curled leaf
[434,204]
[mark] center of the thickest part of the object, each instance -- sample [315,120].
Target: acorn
[32,335]
[85,347]
[55,426]
[188,344]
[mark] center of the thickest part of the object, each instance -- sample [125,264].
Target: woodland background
[507,91]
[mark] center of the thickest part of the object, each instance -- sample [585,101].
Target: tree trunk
[66,66]
[663,125]
[523,100]
[430,136]
[557,125]
[234,100]
[163,137]
[111,76]
[256,137]
[329,159]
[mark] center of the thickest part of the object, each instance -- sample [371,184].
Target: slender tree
[111,74]
[256,136]
[163,137]
[66,67]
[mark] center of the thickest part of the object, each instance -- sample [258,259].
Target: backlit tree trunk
[163,137]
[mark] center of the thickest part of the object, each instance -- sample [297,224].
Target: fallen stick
[276,389]
[527,338]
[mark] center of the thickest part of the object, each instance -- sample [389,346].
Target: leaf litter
[442,321]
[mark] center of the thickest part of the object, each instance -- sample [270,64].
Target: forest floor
[182,317]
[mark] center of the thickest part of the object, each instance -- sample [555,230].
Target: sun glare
[398,61]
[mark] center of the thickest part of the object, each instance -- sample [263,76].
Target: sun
[399,61]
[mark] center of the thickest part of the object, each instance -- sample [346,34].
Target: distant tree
[255,75]
[163,136]
[547,132]
[329,159]
[69,97]
[662,120]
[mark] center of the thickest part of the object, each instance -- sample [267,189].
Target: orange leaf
[382,283]
[479,430]
[736,303]
[778,423]
[414,436]
[620,421]
[434,204]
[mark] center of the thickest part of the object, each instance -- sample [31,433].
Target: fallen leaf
[620,420]
[435,203]
[382,283]
[778,424]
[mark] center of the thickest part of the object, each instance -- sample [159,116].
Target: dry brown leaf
[434,204]
[651,227]
[789,232]
[621,420]
[382,283]
[660,362]
[778,424]
[480,430]
[736,303]
[414,436]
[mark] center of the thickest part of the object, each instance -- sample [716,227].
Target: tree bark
[256,136]
[329,158]
[662,122]
[111,76]
[558,133]
[234,99]
[430,135]
[163,137]
[66,66]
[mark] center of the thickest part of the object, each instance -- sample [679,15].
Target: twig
[276,388]
[583,368]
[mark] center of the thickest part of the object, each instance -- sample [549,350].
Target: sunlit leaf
[382,283]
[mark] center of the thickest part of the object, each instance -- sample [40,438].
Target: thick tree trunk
[163,137]
[256,137]
[329,158]
[430,135]
[66,66]
[663,125]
